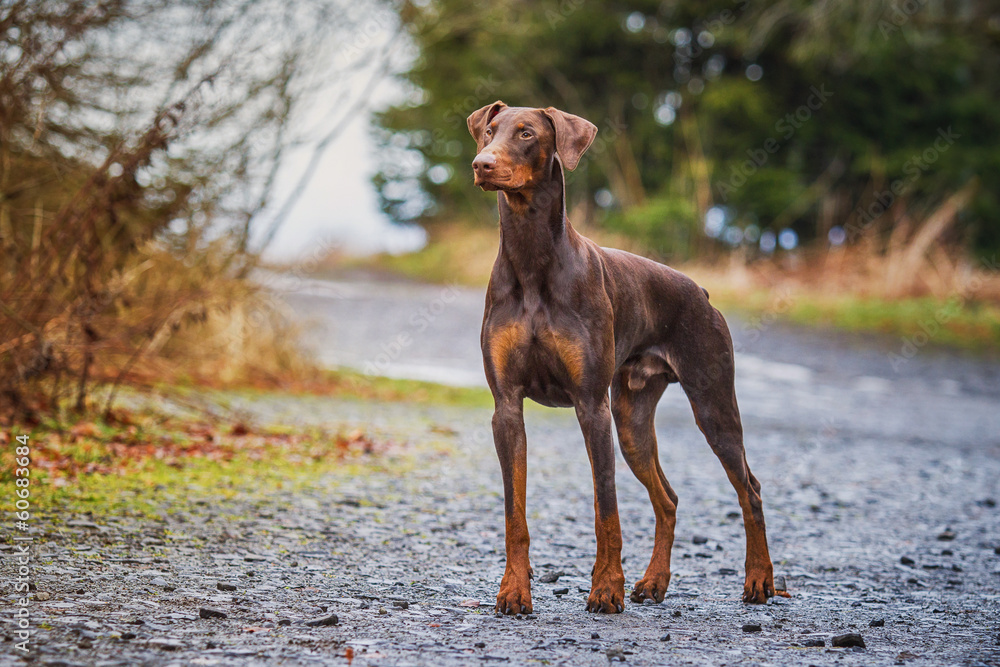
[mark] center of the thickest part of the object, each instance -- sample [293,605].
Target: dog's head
[517,144]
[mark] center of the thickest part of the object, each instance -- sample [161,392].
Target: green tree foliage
[802,115]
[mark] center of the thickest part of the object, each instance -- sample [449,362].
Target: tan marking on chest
[503,341]
[569,350]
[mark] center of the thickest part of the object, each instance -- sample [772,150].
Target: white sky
[340,204]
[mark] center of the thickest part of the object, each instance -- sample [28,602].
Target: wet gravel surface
[880,491]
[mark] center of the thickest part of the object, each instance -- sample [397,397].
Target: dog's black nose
[484,163]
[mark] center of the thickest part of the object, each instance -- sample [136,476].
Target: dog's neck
[534,230]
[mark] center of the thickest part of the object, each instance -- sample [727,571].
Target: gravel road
[880,487]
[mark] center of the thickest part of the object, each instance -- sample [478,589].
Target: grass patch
[140,463]
[967,325]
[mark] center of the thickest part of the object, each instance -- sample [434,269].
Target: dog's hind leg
[634,408]
[706,371]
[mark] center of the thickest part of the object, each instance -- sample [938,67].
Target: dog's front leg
[607,591]
[512,450]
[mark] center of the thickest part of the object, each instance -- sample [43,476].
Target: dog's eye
[526,135]
[489,132]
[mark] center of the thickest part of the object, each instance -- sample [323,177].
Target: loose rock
[225,587]
[877,623]
[752,627]
[331,619]
[848,640]
[551,577]
[208,612]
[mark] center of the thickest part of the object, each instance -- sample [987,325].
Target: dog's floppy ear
[573,135]
[478,120]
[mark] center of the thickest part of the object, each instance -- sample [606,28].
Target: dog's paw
[759,585]
[514,597]
[607,597]
[651,587]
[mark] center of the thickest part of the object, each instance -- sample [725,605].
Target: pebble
[665,638]
[331,619]
[813,643]
[480,644]
[947,535]
[877,623]
[561,591]
[906,560]
[699,539]
[594,635]
[616,653]
[165,644]
[127,636]
[751,627]
[225,587]
[779,584]
[402,604]
[551,577]
[848,640]
[42,596]
[284,621]
[208,612]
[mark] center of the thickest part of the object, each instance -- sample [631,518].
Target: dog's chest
[530,352]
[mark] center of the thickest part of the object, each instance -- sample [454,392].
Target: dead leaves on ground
[125,442]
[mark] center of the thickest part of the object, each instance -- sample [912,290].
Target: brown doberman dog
[565,321]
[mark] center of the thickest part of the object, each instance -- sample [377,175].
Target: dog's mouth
[494,182]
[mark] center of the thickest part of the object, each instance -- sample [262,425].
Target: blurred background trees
[139,146]
[723,124]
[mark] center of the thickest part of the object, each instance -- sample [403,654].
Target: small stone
[594,635]
[733,515]
[165,644]
[699,539]
[402,604]
[751,627]
[284,621]
[677,614]
[906,560]
[848,640]
[207,612]
[814,643]
[727,571]
[86,643]
[996,550]
[988,502]
[779,584]
[41,596]
[877,623]
[551,577]
[665,638]
[616,652]
[480,644]
[947,535]
[561,591]
[947,552]
[330,619]
[225,587]
[383,612]
[125,636]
